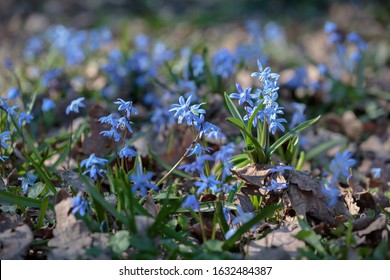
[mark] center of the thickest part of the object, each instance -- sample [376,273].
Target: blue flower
[4,136]
[126,106]
[340,165]
[208,183]
[8,64]
[330,27]
[127,152]
[142,182]
[275,186]
[123,123]
[24,118]
[376,172]
[48,104]
[264,74]
[112,133]
[244,96]
[93,165]
[13,93]
[280,169]
[141,41]
[75,105]
[197,64]
[299,115]
[198,150]
[50,76]
[161,119]
[191,202]
[28,180]
[111,119]
[33,47]
[99,37]
[79,205]
[242,217]
[185,111]
[332,193]
[230,233]
[223,63]
[197,165]
[212,131]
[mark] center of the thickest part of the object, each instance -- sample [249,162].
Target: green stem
[177,163]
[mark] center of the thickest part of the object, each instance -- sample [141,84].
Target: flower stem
[177,163]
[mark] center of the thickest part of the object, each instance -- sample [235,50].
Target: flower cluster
[265,98]
[93,165]
[349,48]
[118,124]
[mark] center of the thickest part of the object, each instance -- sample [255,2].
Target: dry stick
[177,163]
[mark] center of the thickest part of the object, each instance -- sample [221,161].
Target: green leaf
[324,147]
[254,149]
[20,200]
[291,134]
[310,237]
[232,108]
[42,211]
[98,198]
[263,214]
[120,241]
[35,190]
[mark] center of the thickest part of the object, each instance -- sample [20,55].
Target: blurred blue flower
[112,133]
[50,76]
[196,166]
[298,115]
[48,104]
[111,119]
[208,183]
[330,27]
[280,169]
[198,150]
[23,117]
[79,205]
[212,131]
[127,152]
[223,63]
[275,186]
[162,119]
[340,165]
[376,172]
[34,47]
[197,65]
[142,182]
[93,165]
[126,106]
[8,64]
[4,136]
[230,233]
[332,193]
[13,93]
[75,105]
[242,217]
[99,37]
[141,41]
[191,202]
[27,180]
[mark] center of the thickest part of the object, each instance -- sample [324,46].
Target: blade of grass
[20,200]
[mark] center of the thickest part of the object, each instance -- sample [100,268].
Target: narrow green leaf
[245,131]
[232,108]
[20,200]
[42,211]
[93,192]
[324,147]
[291,134]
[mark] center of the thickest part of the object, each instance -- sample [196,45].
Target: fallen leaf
[379,224]
[73,180]
[143,224]
[14,242]
[246,203]
[72,238]
[278,244]
[352,126]
[304,192]
[150,206]
[9,221]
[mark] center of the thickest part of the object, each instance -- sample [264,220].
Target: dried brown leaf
[151,207]
[246,203]
[253,174]
[379,224]
[278,244]
[14,242]
[352,126]
[72,238]
[73,180]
